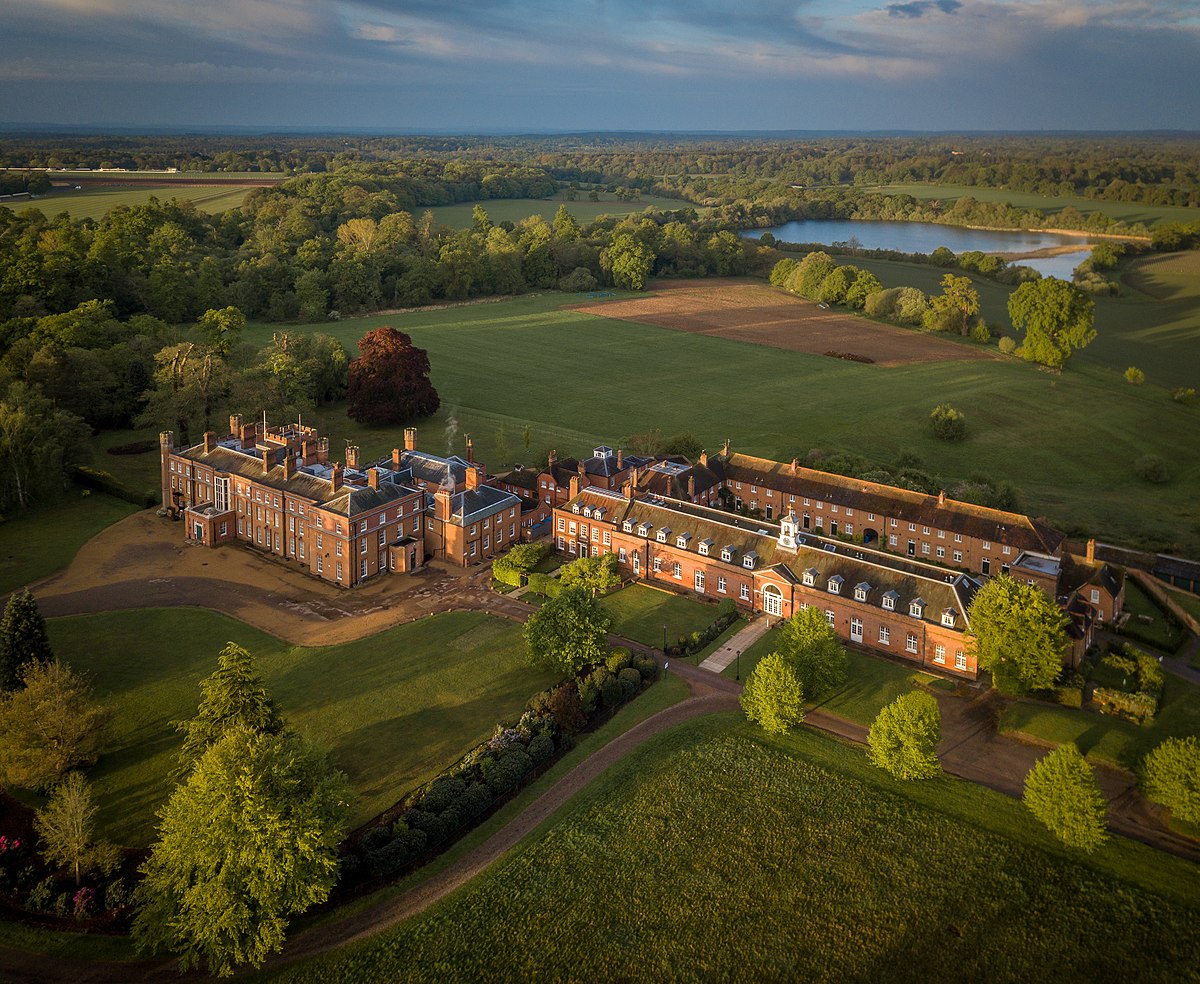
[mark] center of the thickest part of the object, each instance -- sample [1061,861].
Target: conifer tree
[233,696]
[23,639]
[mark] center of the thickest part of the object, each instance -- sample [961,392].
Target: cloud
[919,8]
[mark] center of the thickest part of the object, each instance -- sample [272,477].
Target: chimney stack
[942,497]
[470,450]
[352,456]
[725,449]
[551,459]
[235,425]
[268,459]
[210,441]
[627,490]
[574,486]
[249,435]
[396,458]
[620,460]
[308,451]
[441,505]
[692,487]
[373,478]
[1091,551]
[795,465]
[410,439]
[322,450]
[289,466]
[336,476]
[704,459]
[473,475]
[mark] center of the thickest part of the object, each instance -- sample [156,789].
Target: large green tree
[594,574]
[1171,776]
[39,447]
[812,647]
[234,696]
[568,632]
[1018,634]
[249,841]
[774,696]
[222,329]
[23,638]
[904,736]
[1061,792]
[1055,316]
[628,261]
[66,827]
[953,308]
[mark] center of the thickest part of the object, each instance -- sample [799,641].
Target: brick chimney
[627,490]
[703,459]
[352,456]
[1091,551]
[308,451]
[725,448]
[470,450]
[574,486]
[336,476]
[473,475]
[551,458]
[795,465]
[210,441]
[289,465]
[249,436]
[579,468]
[410,439]
[373,478]
[322,450]
[442,499]
[268,459]
[942,497]
[692,487]
[396,458]
[620,460]
[235,425]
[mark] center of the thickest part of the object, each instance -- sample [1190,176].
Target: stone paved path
[721,658]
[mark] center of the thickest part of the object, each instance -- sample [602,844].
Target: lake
[925,237]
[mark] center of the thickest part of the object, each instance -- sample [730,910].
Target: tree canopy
[1056,317]
[594,574]
[389,381]
[811,646]
[568,632]
[774,696]
[23,639]
[1171,776]
[1061,792]
[246,843]
[66,828]
[904,736]
[1017,634]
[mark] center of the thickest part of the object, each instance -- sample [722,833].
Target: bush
[407,847]
[348,868]
[1151,468]
[1061,792]
[1135,376]
[588,689]
[84,903]
[619,660]
[541,748]
[1138,707]
[1171,776]
[116,895]
[519,561]
[442,792]
[1069,696]
[544,585]
[948,423]
[40,895]
[611,693]
[646,666]
[1008,345]
[375,838]
[430,824]
[980,333]
[630,681]
[505,773]
[476,799]
[579,279]
[727,609]
[1184,394]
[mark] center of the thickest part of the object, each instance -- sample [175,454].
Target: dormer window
[663,534]
[644,529]
[810,576]
[598,513]
[835,584]
[748,561]
[703,547]
[575,508]
[948,617]
[861,591]
[916,608]
[889,600]
[727,554]
[587,511]
[627,526]
[682,540]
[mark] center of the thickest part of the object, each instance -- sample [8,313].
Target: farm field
[762,315]
[1124,211]
[393,709]
[715,853]
[94,202]
[458,216]
[639,613]
[1077,473]
[1108,739]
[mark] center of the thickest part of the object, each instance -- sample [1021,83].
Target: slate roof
[672,482]
[602,467]
[910,579]
[523,478]
[472,505]
[432,469]
[1077,574]
[980,522]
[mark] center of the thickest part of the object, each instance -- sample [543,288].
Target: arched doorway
[870,537]
[772,600]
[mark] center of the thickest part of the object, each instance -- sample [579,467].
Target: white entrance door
[772,600]
[856,627]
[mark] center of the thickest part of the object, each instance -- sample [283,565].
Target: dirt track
[762,315]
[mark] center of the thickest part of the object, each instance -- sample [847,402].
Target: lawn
[459,216]
[93,203]
[1108,739]
[1078,473]
[715,853]
[870,684]
[37,543]
[1153,627]
[639,612]
[1123,211]
[393,709]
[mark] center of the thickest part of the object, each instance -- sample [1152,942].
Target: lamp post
[664,640]
[739,665]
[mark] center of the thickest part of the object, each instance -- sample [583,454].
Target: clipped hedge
[102,481]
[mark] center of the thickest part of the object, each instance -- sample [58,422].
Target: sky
[491,66]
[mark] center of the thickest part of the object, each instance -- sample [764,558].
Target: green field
[393,709]
[1124,211]
[1108,739]
[1068,442]
[640,612]
[714,853]
[514,209]
[93,203]
[41,541]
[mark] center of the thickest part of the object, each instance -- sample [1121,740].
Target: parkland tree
[904,737]
[1018,634]
[1056,318]
[568,632]
[23,639]
[389,381]
[774,696]
[811,646]
[1061,792]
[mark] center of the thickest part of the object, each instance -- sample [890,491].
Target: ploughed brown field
[762,315]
